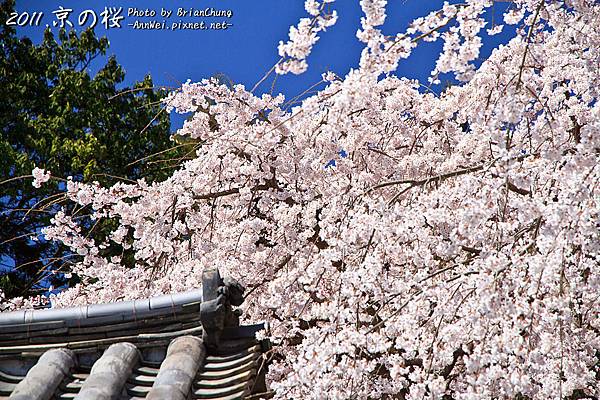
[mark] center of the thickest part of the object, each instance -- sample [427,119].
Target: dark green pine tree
[55,115]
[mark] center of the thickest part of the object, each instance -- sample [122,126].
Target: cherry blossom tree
[453,253]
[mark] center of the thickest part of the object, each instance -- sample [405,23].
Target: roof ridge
[139,308]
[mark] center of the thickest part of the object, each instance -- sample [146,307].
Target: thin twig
[15,178]
[420,182]
[528,40]
[155,154]
[266,75]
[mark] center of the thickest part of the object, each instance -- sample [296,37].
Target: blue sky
[245,51]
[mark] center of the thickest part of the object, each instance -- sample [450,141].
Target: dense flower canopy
[453,251]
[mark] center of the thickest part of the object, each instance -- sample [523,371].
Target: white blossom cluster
[40,176]
[16,303]
[303,37]
[453,253]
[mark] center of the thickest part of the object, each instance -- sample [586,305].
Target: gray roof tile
[174,380]
[109,374]
[46,375]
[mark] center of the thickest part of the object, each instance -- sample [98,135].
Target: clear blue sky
[246,50]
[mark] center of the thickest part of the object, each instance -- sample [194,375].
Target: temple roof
[181,346]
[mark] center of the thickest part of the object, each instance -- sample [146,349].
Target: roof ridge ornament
[216,311]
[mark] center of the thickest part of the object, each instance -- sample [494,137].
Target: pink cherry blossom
[455,250]
[39,176]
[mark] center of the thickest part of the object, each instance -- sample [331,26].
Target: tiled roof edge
[139,308]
